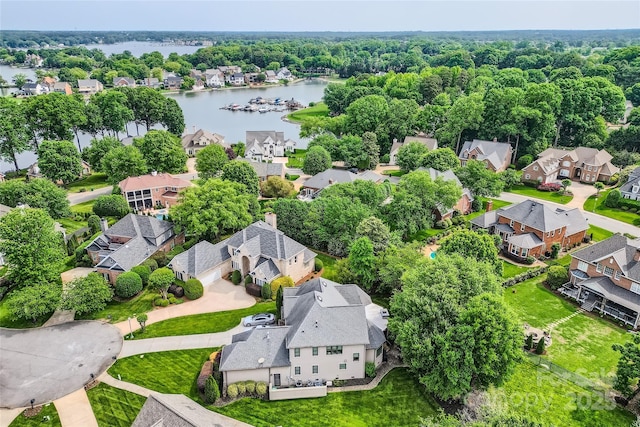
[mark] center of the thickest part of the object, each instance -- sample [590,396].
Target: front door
[276,380]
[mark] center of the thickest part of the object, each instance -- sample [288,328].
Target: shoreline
[212,89]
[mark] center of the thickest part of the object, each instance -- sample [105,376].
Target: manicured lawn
[399,400]
[552,196]
[619,214]
[599,233]
[510,270]
[92,182]
[328,264]
[118,311]
[165,372]
[583,343]
[114,407]
[564,260]
[71,225]
[296,158]
[497,204]
[551,400]
[47,410]
[205,323]
[293,177]
[535,304]
[393,172]
[83,207]
[423,235]
[318,110]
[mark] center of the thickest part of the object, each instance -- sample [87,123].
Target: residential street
[77,198]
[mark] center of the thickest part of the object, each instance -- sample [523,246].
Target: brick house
[606,277]
[124,82]
[530,228]
[421,138]
[154,189]
[584,164]
[463,205]
[129,242]
[495,155]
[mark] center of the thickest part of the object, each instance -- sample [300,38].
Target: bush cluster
[318,265]
[558,275]
[550,186]
[128,284]
[144,271]
[236,277]
[248,280]
[265,291]
[370,369]
[193,289]
[534,272]
[249,388]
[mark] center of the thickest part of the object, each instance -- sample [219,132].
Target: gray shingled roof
[447,175]
[535,215]
[213,138]
[139,225]
[486,219]
[247,348]
[266,270]
[265,170]
[634,179]
[270,242]
[202,257]
[376,336]
[262,135]
[495,152]
[574,219]
[330,176]
[431,143]
[527,241]
[601,249]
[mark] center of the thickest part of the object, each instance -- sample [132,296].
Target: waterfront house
[152,190]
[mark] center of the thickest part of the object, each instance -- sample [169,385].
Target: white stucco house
[267,144]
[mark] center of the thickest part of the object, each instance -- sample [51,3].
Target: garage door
[210,277]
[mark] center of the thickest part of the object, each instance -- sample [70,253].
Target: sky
[312,15]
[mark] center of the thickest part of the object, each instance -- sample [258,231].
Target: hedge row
[534,272]
[250,388]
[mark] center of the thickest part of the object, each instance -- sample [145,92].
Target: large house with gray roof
[631,188]
[266,169]
[530,228]
[266,144]
[129,242]
[196,141]
[495,155]
[260,251]
[421,138]
[329,332]
[585,164]
[606,277]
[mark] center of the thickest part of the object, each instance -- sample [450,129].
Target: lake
[138,48]
[202,110]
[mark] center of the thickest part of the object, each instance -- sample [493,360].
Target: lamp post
[130,329]
[594,204]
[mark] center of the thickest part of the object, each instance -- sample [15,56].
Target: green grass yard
[599,233]
[119,311]
[83,207]
[510,270]
[205,323]
[399,400]
[601,209]
[393,172]
[319,110]
[329,265]
[296,159]
[47,410]
[114,407]
[91,182]
[71,225]
[165,372]
[497,204]
[293,177]
[551,196]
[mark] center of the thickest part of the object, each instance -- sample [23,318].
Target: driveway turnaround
[47,363]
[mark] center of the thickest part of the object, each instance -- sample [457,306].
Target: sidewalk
[183,342]
[75,410]
[8,415]
[218,296]
[133,388]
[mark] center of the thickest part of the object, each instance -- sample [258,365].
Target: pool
[432,255]
[161,213]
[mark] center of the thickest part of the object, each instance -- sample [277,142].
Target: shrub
[284,281]
[236,277]
[160,258]
[160,302]
[151,263]
[530,260]
[557,276]
[178,301]
[551,186]
[555,249]
[265,291]
[172,300]
[205,373]
[144,271]
[524,161]
[370,369]
[211,390]
[476,205]
[193,289]
[441,224]
[250,386]
[318,265]
[111,205]
[232,391]
[93,223]
[261,388]
[448,222]
[540,346]
[248,280]
[385,159]
[241,388]
[613,199]
[128,284]
[528,344]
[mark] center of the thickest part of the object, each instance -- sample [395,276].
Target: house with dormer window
[265,145]
[196,141]
[606,277]
[495,155]
[631,188]
[585,164]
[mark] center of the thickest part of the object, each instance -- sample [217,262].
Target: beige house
[152,190]
[196,141]
[421,138]
[495,155]
[330,331]
[260,251]
[584,164]
[89,86]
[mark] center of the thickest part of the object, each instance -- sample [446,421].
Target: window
[589,168]
[524,252]
[334,349]
[617,276]
[608,271]
[356,357]
[314,351]
[314,369]
[297,370]
[588,178]
[599,268]
[635,189]
[515,250]
[527,176]
[635,288]
[379,350]
[296,352]
[343,366]
[593,178]
[548,233]
[535,168]
[583,266]
[295,258]
[511,223]
[553,233]
[521,227]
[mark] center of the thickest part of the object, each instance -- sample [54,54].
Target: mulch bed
[32,412]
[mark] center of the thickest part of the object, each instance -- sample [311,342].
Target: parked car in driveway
[259,319]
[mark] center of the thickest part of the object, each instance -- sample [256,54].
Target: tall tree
[48,118]
[122,162]
[465,114]
[14,135]
[410,156]
[98,149]
[243,173]
[87,294]
[441,159]
[481,246]
[376,231]
[317,160]
[76,111]
[628,369]
[114,110]
[362,261]
[210,161]
[59,161]
[162,151]
[372,149]
[480,180]
[173,117]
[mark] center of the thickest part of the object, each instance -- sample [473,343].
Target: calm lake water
[138,48]
[202,110]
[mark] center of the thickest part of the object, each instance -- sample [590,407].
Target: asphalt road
[77,198]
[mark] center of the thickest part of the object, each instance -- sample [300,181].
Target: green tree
[482,247]
[362,261]
[291,214]
[376,231]
[557,276]
[369,114]
[160,280]
[599,187]
[142,320]
[93,124]
[33,302]
[32,248]
[276,187]
[215,207]
[242,172]
[511,178]
[317,160]
[37,193]
[48,117]
[148,106]
[122,162]
[187,83]
[98,149]
[565,184]
[128,284]
[111,205]
[441,159]
[162,151]
[372,149]
[173,117]
[20,80]
[59,161]
[144,271]
[393,262]
[281,282]
[210,161]
[14,134]
[411,156]
[480,180]
[114,110]
[628,369]
[465,114]
[613,198]
[211,390]
[93,222]
[540,346]
[279,300]
[87,294]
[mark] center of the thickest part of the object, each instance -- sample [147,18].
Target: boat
[263,110]
[236,107]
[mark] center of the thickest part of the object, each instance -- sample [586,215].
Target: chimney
[270,218]
[154,173]
[489,205]
[495,139]
[104,225]
[636,256]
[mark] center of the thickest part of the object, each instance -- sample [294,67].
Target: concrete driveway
[51,362]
